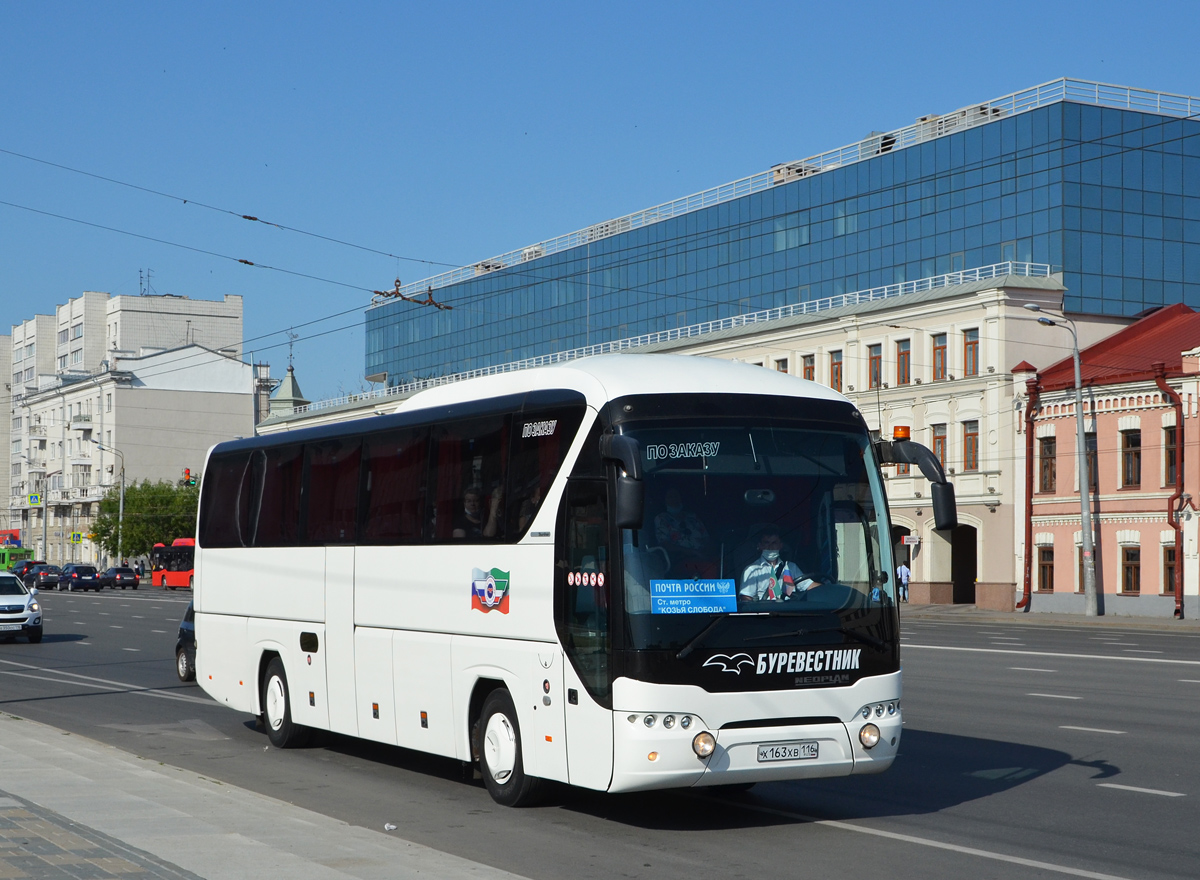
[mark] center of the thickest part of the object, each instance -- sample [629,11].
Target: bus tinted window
[225,507]
[393,507]
[468,460]
[332,508]
[540,442]
[277,523]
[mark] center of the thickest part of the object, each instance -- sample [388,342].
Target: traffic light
[188,479]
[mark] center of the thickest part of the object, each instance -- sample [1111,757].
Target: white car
[20,611]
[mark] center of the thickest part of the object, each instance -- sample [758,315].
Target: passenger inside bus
[681,533]
[470,523]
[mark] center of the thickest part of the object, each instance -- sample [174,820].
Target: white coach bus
[625,572]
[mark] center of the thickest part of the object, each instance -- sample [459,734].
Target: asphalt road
[1030,750]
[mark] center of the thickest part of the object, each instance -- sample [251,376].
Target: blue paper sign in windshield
[693,597]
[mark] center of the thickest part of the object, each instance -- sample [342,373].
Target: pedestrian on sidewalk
[902,576]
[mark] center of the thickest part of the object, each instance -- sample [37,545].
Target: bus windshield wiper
[699,637]
[852,633]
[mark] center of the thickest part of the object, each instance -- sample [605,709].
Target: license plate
[8,627]
[787,751]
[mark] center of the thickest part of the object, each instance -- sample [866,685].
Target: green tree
[155,513]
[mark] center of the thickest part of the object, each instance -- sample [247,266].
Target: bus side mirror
[630,503]
[945,510]
[631,491]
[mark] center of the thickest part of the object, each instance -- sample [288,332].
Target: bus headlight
[704,743]
[869,736]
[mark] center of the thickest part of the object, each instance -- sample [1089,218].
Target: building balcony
[37,430]
[81,422]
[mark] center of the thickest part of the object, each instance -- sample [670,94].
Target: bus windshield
[753,533]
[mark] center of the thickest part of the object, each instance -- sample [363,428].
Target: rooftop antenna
[144,286]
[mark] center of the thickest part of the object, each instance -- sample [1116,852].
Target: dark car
[185,647]
[79,577]
[42,576]
[119,576]
[22,568]
[20,611]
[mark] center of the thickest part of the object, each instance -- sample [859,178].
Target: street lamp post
[121,502]
[1090,607]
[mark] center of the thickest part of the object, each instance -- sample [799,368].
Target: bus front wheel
[500,759]
[277,709]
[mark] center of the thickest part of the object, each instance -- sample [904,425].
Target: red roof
[1129,355]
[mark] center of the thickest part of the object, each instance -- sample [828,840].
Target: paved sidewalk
[71,807]
[974,614]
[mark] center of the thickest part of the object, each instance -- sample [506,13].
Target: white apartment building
[153,415]
[159,377]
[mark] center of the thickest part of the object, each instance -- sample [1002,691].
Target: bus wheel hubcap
[276,703]
[500,748]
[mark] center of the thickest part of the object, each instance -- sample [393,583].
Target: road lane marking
[1141,651]
[924,841]
[1030,669]
[1010,644]
[160,631]
[1141,790]
[131,649]
[1190,680]
[1089,729]
[1055,696]
[85,679]
[1058,654]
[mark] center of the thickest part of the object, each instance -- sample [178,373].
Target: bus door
[339,639]
[582,583]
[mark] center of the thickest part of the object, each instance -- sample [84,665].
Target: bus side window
[540,442]
[583,583]
[470,454]
[223,509]
[278,520]
[393,493]
[332,508]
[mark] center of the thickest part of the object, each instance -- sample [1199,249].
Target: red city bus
[173,566]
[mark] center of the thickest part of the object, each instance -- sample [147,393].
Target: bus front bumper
[655,757]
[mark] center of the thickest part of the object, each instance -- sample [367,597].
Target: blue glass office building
[1101,182]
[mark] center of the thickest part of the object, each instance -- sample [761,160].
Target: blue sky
[448,133]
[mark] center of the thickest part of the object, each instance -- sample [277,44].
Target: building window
[77,331]
[1131,570]
[781,364]
[970,352]
[1168,569]
[810,367]
[108,402]
[1131,459]
[1169,436]
[62,362]
[903,362]
[77,356]
[64,336]
[903,468]
[835,370]
[1047,464]
[971,446]
[939,443]
[958,261]
[939,356]
[1046,569]
[1089,444]
[875,365]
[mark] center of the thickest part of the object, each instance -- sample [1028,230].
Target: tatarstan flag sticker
[489,590]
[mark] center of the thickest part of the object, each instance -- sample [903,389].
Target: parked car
[79,577]
[22,568]
[185,646]
[20,611]
[42,576]
[119,576]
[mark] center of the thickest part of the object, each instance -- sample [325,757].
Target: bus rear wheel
[500,759]
[277,709]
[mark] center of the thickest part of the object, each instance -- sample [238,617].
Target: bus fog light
[891,708]
[703,744]
[633,719]
[653,756]
[866,711]
[685,722]
[649,720]
[669,721]
[879,711]
[869,736]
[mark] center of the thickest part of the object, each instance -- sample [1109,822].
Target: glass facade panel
[1115,207]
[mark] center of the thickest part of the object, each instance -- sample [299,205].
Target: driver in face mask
[770,576]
